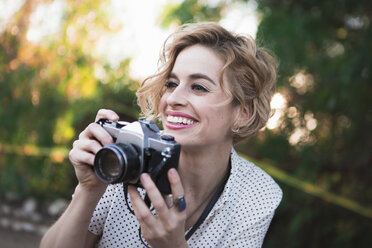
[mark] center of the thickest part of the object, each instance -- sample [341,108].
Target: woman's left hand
[167,228]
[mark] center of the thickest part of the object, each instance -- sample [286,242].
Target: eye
[171,84]
[199,88]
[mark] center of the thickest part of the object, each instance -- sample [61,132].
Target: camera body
[138,147]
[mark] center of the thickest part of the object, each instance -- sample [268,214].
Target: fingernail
[173,172]
[145,177]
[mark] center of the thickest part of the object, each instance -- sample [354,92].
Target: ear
[242,117]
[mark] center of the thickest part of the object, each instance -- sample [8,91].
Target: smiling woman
[194,90]
[245,73]
[212,90]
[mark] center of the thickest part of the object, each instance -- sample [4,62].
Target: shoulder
[253,187]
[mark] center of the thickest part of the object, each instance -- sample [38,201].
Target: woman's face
[191,108]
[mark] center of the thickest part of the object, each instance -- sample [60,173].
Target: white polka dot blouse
[240,217]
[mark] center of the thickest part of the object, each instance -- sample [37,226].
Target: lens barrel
[117,162]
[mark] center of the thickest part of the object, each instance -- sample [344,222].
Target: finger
[78,157]
[88,145]
[106,114]
[95,131]
[141,211]
[155,196]
[84,151]
[176,185]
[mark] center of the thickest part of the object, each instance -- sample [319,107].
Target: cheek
[162,103]
[223,120]
[224,117]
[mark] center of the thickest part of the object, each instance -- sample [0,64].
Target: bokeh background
[61,61]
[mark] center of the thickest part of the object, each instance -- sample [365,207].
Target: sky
[140,39]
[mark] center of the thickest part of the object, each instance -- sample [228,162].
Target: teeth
[179,120]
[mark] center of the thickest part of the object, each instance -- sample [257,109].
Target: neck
[193,215]
[201,172]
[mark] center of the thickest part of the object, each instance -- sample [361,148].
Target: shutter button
[167,137]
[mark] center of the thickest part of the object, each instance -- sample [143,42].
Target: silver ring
[180,203]
[169,200]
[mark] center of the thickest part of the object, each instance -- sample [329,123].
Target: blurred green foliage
[49,93]
[325,52]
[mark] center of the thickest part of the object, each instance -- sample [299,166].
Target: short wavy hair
[250,69]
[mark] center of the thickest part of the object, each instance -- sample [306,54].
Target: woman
[213,89]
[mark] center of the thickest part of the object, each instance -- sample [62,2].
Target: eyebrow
[194,76]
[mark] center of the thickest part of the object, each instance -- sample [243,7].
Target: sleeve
[101,211]
[253,216]
[252,236]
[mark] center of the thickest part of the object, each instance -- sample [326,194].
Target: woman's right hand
[82,154]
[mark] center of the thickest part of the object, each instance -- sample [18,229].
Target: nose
[178,97]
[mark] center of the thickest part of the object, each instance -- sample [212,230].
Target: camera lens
[111,163]
[116,163]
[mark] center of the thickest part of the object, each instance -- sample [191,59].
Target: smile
[179,120]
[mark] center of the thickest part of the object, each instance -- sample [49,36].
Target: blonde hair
[251,71]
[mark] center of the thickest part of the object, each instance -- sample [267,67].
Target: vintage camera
[139,147]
